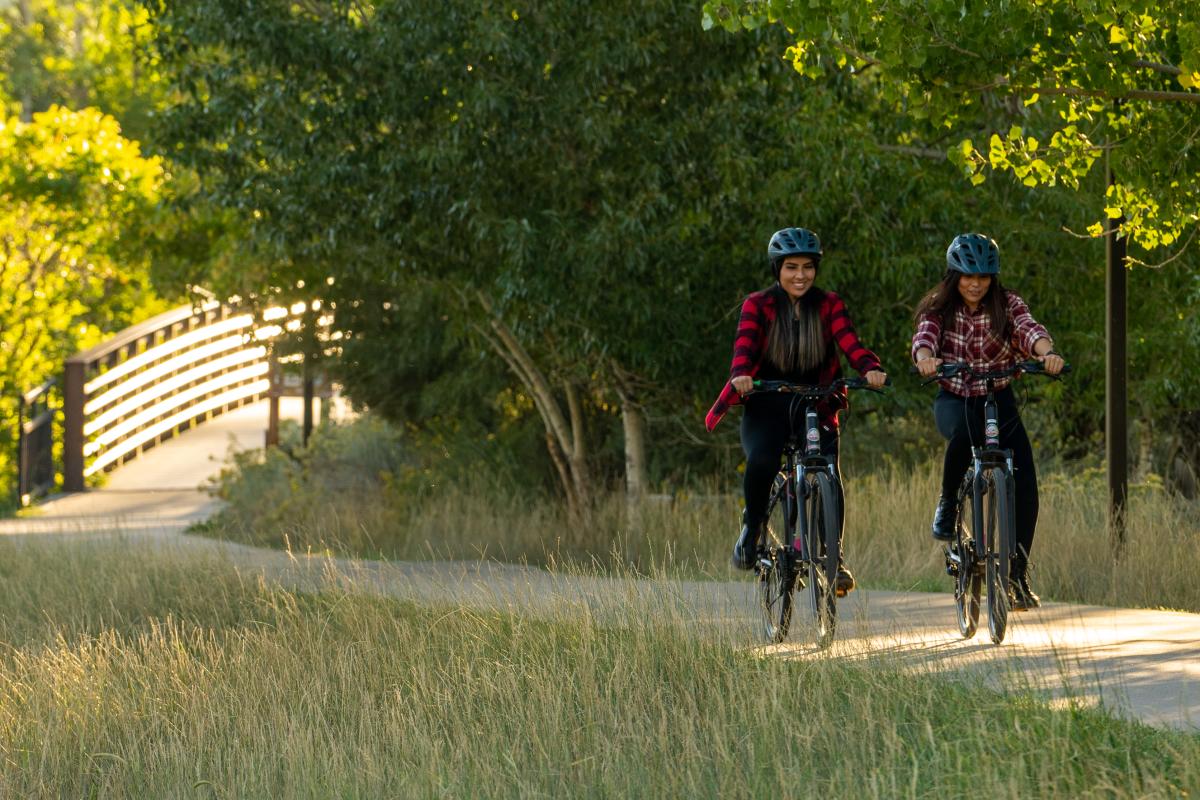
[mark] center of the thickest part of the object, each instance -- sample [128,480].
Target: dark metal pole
[73,426]
[20,450]
[1116,424]
[308,397]
[310,354]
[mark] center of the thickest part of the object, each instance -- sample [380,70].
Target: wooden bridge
[148,384]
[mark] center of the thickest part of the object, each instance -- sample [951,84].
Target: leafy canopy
[1039,88]
[71,188]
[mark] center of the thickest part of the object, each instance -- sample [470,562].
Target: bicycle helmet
[793,242]
[973,254]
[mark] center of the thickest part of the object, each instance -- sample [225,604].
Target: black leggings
[960,422]
[766,426]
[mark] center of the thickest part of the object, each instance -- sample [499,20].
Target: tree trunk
[634,423]
[564,433]
[578,452]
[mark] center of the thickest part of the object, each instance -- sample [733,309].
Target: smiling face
[973,288]
[797,274]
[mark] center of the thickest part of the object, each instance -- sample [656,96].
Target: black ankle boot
[945,519]
[745,551]
[1023,596]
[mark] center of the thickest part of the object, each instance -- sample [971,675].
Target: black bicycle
[802,545]
[985,541]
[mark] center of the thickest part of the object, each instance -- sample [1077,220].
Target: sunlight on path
[1140,663]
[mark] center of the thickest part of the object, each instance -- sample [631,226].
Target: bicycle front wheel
[1000,536]
[824,531]
[775,566]
[967,581]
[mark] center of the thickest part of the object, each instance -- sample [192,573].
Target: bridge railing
[161,377]
[35,432]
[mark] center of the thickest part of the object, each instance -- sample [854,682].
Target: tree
[1039,89]
[79,54]
[566,180]
[71,186]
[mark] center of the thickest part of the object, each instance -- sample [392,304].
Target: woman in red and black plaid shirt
[788,332]
[970,318]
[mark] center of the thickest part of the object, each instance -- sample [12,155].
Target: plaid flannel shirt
[968,338]
[758,312]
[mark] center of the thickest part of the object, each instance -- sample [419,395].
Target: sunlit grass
[164,676]
[357,505]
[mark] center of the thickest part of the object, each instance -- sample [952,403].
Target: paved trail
[1142,663]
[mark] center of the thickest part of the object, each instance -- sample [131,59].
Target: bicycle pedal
[953,562]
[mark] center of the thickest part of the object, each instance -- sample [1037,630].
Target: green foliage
[1047,86]
[607,182]
[71,186]
[79,54]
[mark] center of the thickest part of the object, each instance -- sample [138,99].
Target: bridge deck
[162,488]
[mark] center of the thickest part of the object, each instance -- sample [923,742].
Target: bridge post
[73,426]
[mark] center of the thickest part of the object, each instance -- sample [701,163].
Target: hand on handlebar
[876,378]
[928,367]
[743,384]
[1052,363]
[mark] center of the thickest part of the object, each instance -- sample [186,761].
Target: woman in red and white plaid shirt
[970,318]
[788,332]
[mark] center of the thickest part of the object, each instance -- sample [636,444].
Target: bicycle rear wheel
[823,552]
[967,581]
[1000,536]
[775,565]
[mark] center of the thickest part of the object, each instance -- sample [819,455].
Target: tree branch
[1166,69]
[919,152]
[537,382]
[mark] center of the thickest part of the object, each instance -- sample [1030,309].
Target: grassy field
[130,673]
[350,495]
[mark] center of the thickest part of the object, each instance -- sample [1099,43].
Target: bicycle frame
[987,462]
[990,477]
[799,461]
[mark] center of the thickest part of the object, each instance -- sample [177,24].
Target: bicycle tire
[968,583]
[824,545]
[775,566]
[1000,538]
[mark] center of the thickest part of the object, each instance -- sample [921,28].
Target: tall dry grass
[131,673]
[365,505]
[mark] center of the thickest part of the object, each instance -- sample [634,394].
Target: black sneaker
[844,583]
[945,520]
[745,550]
[1023,596]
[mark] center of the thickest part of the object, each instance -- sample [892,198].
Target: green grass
[351,494]
[131,673]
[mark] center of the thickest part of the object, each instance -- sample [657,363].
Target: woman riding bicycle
[970,318]
[788,332]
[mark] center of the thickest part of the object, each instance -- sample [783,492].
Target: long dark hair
[796,341]
[944,300]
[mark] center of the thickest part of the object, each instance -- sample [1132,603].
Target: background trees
[536,222]
[583,197]
[71,189]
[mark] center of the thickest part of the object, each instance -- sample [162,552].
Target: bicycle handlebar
[948,369]
[815,392]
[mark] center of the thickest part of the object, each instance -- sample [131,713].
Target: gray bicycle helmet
[793,242]
[973,254]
